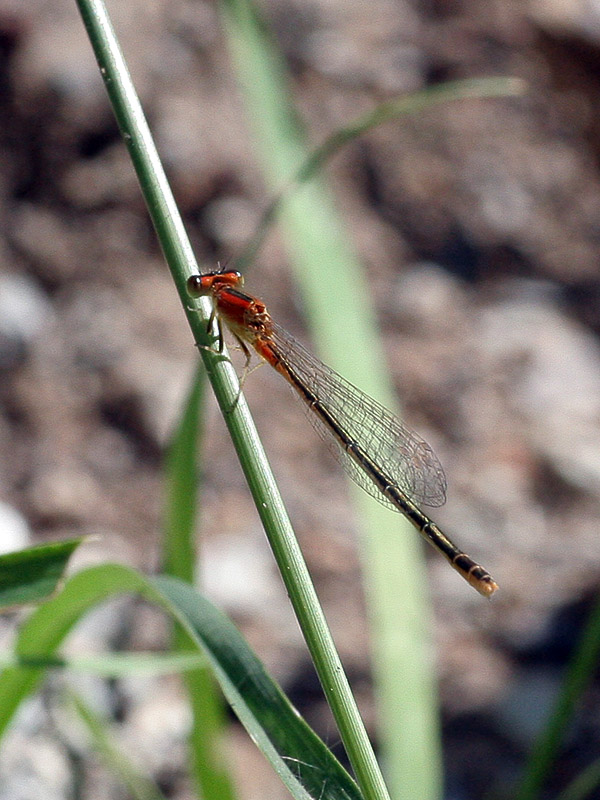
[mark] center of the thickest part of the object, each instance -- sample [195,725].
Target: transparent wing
[402,455]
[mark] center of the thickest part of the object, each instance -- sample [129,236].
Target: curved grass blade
[410,104]
[283,736]
[300,758]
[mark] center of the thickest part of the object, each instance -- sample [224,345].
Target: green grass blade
[579,674]
[281,733]
[144,156]
[113,665]
[31,575]
[302,761]
[347,334]
[138,786]
[208,767]
[249,449]
[410,104]
[586,786]
[181,480]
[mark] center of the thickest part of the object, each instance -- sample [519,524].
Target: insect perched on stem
[375,448]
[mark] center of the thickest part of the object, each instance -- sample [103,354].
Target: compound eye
[195,286]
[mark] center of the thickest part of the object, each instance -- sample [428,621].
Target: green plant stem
[179,256]
[337,298]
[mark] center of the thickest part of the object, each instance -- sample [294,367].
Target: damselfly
[376,449]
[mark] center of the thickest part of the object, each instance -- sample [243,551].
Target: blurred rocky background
[478,224]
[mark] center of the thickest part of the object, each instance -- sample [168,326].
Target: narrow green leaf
[181,479]
[208,766]
[30,575]
[586,786]
[581,669]
[300,758]
[111,665]
[315,161]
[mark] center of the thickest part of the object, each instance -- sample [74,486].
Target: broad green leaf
[296,752]
[300,758]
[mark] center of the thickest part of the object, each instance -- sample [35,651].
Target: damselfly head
[210,282]
[194,286]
